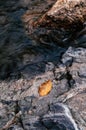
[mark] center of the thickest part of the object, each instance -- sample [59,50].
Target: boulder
[64,13]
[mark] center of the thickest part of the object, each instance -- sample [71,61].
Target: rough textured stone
[77,67]
[74,14]
[78,107]
[59,118]
[7,111]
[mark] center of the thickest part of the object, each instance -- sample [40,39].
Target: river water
[22,55]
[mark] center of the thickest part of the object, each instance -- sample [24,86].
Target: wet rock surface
[26,62]
[66,13]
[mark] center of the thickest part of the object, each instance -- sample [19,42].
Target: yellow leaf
[45,88]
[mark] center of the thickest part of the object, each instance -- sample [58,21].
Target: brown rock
[65,13]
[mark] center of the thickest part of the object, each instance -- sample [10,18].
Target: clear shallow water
[25,55]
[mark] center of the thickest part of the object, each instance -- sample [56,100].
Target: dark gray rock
[32,123]
[59,118]
[7,112]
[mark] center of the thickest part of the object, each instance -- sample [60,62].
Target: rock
[49,66]
[78,109]
[56,117]
[7,112]
[59,118]
[77,66]
[60,71]
[25,104]
[78,54]
[53,26]
[74,14]
[32,123]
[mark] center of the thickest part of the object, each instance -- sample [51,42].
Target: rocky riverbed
[29,58]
